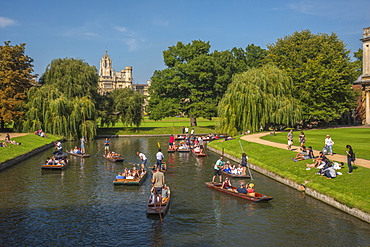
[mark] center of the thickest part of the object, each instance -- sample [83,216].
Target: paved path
[12,135]
[337,157]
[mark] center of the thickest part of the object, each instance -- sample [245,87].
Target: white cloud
[4,22]
[121,29]
[132,44]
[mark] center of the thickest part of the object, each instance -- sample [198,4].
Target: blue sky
[136,32]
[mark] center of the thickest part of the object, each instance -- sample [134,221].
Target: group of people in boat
[56,161]
[227,167]
[246,189]
[112,155]
[131,174]
[189,142]
[76,150]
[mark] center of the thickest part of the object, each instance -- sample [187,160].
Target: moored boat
[158,208]
[113,159]
[135,181]
[235,175]
[78,155]
[256,197]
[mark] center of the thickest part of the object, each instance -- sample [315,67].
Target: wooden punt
[182,150]
[113,159]
[235,175]
[156,209]
[136,181]
[256,198]
[171,150]
[79,155]
[55,167]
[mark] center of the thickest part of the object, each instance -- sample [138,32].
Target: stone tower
[365,78]
[110,79]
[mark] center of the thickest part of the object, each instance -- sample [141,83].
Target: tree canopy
[195,79]
[64,104]
[259,96]
[321,70]
[15,79]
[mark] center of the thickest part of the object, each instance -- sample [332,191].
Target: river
[80,206]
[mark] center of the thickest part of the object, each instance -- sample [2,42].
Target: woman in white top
[329,144]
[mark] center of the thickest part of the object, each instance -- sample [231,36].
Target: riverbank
[31,144]
[278,166]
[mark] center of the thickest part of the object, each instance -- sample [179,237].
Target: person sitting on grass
[307,154]
[7,139]
[3,144]
[318,161]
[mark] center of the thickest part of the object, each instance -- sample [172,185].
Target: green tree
[258,97]
[127,105]
[321,70]
[193,82]
[15,79]
[64,104]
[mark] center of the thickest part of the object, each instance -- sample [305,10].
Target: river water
[80,206]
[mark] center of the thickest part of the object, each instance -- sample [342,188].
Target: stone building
[110,79]
[363,82]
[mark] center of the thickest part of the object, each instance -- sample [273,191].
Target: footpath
[336,157]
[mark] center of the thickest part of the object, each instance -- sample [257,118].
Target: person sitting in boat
[142,172]
[250,189]
[227,168]
[197,149]
[226,184]
[153,196]
[165,193]
[242,189]
[239,170]
[232,168]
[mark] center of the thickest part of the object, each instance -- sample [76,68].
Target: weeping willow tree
[258,97]
[64,104]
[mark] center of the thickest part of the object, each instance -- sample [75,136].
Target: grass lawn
[171,125]
[29,143]
[358,138]
[347,189]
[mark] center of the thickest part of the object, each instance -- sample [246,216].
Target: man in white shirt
[143,159]
[159,157]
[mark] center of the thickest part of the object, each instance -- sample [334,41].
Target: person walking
[329,144]
[159,156]
[350,158]
[302,138]
[290,139]
[217,170]
[83,141]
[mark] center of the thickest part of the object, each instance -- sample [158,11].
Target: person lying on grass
[318,161]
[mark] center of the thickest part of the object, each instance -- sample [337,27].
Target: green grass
[172,125]
[29,143]
[358,138]
[347,189]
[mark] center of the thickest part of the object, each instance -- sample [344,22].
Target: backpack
[325,151]
[353,157]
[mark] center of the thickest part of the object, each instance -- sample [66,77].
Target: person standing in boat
[170,142]
[83,141]
[143,159]
[217,169]
[158,182]
[159,157]
[244,163]
[106,145]
[58,146]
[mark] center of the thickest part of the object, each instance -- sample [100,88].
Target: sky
[135,33]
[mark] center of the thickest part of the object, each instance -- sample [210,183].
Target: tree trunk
[193,121]
[2,124]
